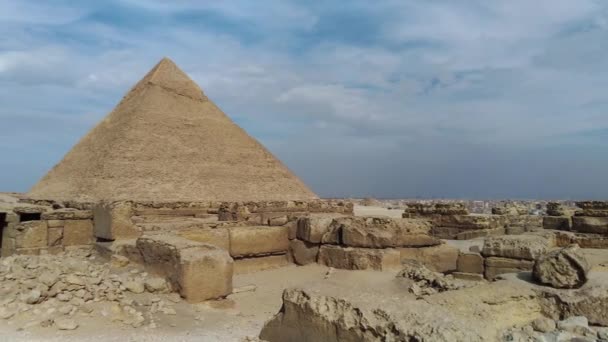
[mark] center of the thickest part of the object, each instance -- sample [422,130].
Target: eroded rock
[565,268]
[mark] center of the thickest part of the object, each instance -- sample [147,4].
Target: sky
[469,99]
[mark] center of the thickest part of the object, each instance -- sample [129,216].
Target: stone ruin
[168,184]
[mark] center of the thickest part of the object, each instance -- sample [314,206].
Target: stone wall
[32,229]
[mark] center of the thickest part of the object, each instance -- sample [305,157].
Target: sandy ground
[361,210]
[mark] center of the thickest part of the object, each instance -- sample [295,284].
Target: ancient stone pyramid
[166,141]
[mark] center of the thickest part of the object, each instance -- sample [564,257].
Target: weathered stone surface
[558,209]
[557,222]
[67,214]
[474,234]
[316,228]
[199,271]
[565,268]
[113,221]
[510,209]
[54,223]
[55,237]
[350,258]
[473,221]
[587,224]
[515,230]
[378,232]
[260,263]
[468,276]
[258,240]
[31,234]
[527,247]
[302,252]
[564,239]
[427,209]
[495,266]
[441,258]
[590,301]
[543,324]
[470,263]
[78,232]
[219,237]
[292,227]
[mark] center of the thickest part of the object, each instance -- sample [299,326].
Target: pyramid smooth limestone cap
[169,76]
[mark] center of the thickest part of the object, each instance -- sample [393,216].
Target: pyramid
[166,141]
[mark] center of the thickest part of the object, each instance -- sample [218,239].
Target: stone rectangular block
[473,221]
[78,232]
[474,234]
[316,228]
[527,247]
[302,252]
[55,223]
[67,214]
[113,221]
[496,265]
[219,237]
[441,258]
[261,263]
[470,263]
[380,232]
[557,222]
[587,224]
[31,234]
[350,258]
[199,271]
[258,240]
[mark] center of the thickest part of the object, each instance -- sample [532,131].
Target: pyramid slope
[165,141]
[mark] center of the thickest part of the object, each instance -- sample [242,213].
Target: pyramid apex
[169,76]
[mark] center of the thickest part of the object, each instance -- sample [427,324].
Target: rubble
[565,268]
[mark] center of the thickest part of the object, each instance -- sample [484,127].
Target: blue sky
[437,98]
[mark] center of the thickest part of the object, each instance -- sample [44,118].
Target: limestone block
[527,247]
[261,263]
[67,214]
[316,228]
[516,230]
[258,240]
[219,237]
[31,234]
[588,224]
[113,221]
[78,232]
[55,223]
[426,209]
[199,271]
[557,222]
[378,232]
[350,258]
[55,237]
[450,233]
[558,209]
[470,263]
[468,276]
[8,246]
[292,227]
[474,234]
[302,252]
[473,221]
[441,258]
[565,268]
[496,265]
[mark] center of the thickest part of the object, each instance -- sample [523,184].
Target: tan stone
[55,237]
[55,223]
[78,232]
[468,276]
[31,234]
[67,214]
[470,263]
[587,224]
[474,234]
[261,263]
[496,265]
[258,240]
[473,221]
[218,237]
[292,227]
[200,271]
[113,221]
[527,247]
[302,252]
[379,232]
[316,228]
[557,222]
[350,258]
[441,258]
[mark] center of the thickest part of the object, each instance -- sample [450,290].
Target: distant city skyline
[388,99]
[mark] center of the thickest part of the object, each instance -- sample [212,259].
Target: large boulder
[316,228]
[441,258]
[528,247]
[258,240]
[565,268]
[379,232]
